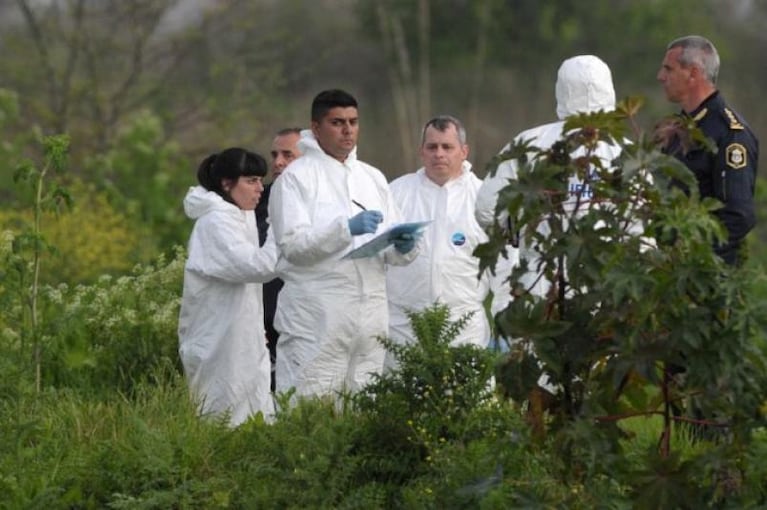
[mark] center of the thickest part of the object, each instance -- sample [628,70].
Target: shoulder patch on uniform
[734,122]
[736,156]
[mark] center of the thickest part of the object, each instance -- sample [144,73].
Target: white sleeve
[499,285]
[224,251]
[487,196]
[299,238]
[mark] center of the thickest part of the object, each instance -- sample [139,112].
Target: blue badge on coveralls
[458,239]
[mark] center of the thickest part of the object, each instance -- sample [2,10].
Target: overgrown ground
[94,411]
[62,450]
[434,435]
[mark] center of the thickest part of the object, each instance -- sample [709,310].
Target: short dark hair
[442,123]
[328,99]
[229,164]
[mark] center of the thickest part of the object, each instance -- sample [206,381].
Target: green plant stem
[665,439]
[36,280]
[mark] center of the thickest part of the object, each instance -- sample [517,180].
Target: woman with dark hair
[221,337]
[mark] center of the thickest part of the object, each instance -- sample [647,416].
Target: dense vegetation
[96,414]
[100,138]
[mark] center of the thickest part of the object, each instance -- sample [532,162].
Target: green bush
[69,451]
[73,449]
[90,240]
[110,335]
[303,461]
[636,289]
[145,176]
[439,399]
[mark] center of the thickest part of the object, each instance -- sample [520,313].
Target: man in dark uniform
[688,75]
[284,150]
[727,173]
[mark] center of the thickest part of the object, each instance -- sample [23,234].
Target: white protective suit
[330,311]
[221,337]
[446,269]
[584,85]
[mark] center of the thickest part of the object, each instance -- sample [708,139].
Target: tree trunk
[411,94]
[480,57]
[424,62]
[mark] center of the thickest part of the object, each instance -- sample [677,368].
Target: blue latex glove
[365,222]
[405,243]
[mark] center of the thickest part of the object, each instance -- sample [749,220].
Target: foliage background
[146,88]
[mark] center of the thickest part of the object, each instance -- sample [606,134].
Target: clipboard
[386,239]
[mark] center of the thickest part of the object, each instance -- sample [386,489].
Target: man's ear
[696,73]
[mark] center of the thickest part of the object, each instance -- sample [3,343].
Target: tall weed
[150,451]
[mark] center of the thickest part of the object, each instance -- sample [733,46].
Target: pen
[359,205]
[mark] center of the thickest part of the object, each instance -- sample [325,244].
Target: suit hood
[584,85]
[308,143]
[199,201]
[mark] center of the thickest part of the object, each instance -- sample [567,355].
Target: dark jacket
[272,288]
[729,174]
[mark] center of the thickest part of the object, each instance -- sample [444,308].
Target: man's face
[284,150]
[675,79]
[337,132]
[443,154]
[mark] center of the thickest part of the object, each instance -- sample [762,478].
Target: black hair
[328,99]
[229,164]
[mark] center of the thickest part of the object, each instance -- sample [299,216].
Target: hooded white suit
[221,337]
[330,311]
[446,269]
[584,85]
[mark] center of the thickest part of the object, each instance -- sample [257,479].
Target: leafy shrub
[145,177]
[635,289]
[303,460]
[427,401]
[110,335]
[91,239]
[68,451]
[75,449]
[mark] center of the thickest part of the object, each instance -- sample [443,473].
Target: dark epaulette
[735,124]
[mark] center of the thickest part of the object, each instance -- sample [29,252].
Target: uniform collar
[711,103]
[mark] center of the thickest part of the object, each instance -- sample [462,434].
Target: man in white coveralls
[584,85]
[443,190]
[332,309]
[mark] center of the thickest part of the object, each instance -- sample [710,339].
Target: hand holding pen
[365,222]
